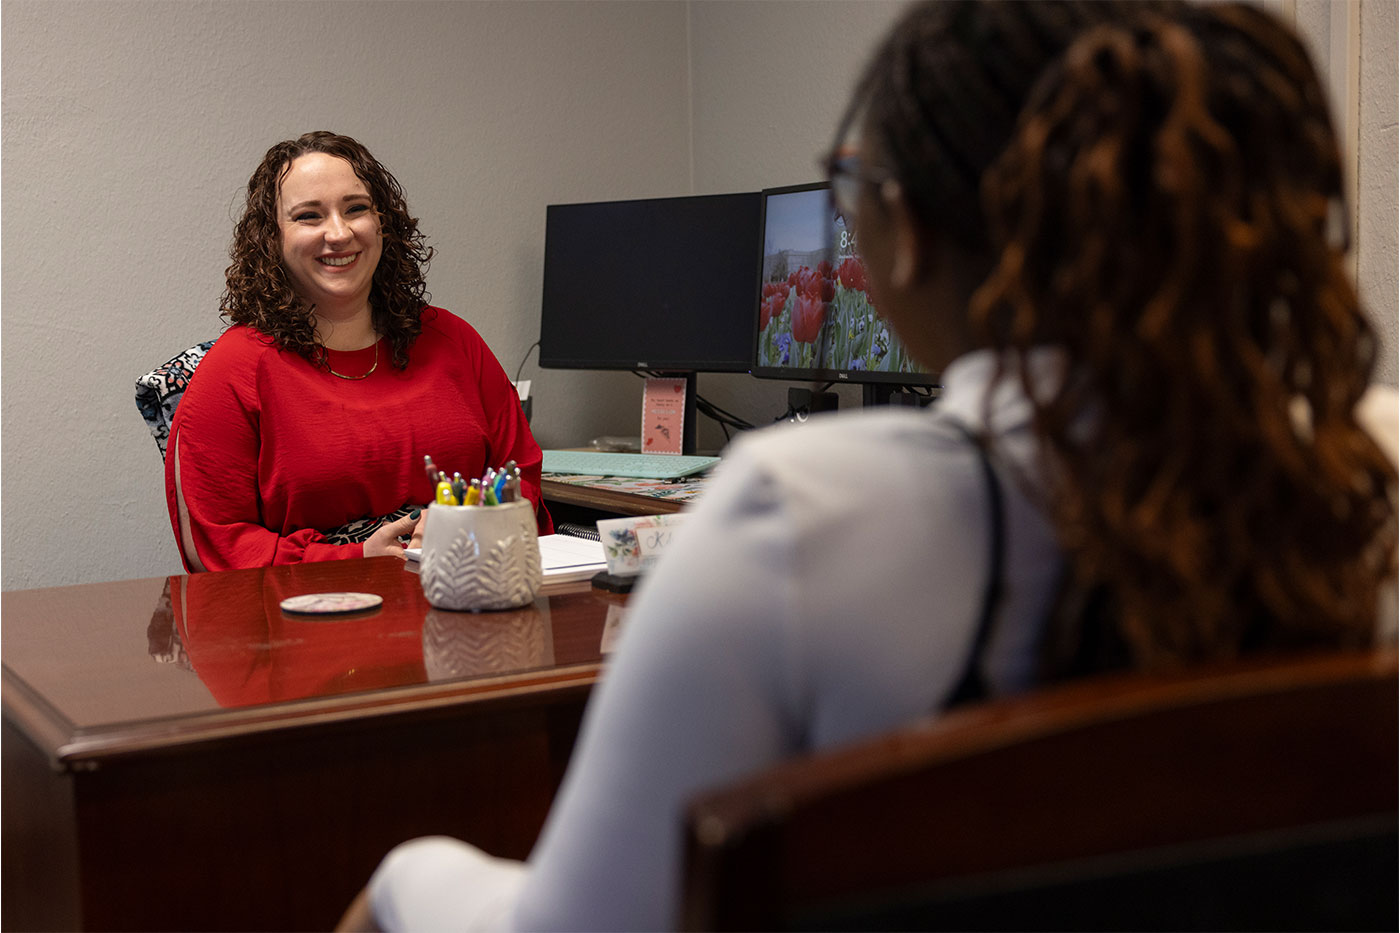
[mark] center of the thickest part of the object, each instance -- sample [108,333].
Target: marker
[444,493]
[473,493]
[433,475]
[459,488]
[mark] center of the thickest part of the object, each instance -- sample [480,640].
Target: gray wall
[1378,161]
[130,129]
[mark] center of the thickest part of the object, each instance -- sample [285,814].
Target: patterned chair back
[160,390]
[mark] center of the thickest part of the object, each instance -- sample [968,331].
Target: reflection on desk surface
[88,650]
[248,651]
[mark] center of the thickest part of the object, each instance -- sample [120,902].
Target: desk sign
[663,415]
[633,545]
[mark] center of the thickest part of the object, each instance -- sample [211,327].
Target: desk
[602,499]
[180,754]
[584,500]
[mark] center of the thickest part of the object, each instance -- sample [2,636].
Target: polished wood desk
[179,754]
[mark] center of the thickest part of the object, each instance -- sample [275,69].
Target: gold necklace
[355,378]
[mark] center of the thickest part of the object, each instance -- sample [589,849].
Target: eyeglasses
[847,173]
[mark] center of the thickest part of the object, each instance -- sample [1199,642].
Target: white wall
[130,129]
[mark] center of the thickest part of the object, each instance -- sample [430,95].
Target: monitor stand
[660,408]
[873,393]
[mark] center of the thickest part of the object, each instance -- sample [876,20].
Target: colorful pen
[493,488]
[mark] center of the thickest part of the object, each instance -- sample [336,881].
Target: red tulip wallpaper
[815,311]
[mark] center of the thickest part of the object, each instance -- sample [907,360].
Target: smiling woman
[316,407]
[330,246]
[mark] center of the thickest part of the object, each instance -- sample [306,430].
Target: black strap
[972,684]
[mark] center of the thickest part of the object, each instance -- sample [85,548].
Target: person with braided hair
[1166,218]
[1146,452]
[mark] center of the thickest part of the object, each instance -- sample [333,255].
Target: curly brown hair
[1162,215]
[259,292]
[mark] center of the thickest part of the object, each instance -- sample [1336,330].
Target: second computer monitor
[816,319]
[653,284]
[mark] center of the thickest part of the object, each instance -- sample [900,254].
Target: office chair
[160,390]
[1259,795]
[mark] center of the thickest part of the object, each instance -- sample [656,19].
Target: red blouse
[273,451]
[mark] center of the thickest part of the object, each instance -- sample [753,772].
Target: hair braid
[1162,213]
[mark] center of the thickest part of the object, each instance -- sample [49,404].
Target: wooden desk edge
[34,717]
[71,748]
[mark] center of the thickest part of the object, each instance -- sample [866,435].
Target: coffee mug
[478,557]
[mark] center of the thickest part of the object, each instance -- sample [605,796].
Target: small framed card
[634,543]
[663,415]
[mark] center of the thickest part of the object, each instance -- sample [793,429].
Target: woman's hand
[416,539]
[385,540]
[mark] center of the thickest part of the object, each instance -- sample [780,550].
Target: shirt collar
[968,378]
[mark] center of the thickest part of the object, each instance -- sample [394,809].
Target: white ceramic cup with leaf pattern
[480,557]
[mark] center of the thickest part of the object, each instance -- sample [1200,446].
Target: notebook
[563,558]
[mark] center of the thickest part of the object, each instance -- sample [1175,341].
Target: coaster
[329,603]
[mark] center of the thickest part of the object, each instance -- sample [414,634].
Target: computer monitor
[660,284]
[816,320]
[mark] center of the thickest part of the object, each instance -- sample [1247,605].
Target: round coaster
[330,603]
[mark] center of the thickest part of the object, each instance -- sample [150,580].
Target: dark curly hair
[259,292]
[1155,203]
[1162,215]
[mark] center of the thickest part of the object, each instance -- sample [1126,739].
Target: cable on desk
[725,419]
[521,368]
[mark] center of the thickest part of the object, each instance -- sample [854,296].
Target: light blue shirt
[827,588]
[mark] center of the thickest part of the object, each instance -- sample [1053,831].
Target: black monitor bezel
[799,374]
[662,365]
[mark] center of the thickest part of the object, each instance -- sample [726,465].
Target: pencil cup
[479,557]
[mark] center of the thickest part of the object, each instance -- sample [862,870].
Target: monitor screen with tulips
[816,321]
